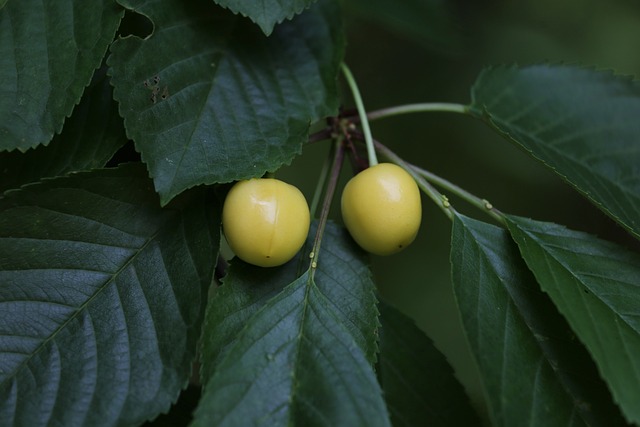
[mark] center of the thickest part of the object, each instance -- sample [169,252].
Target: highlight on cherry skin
[265,221]
[381,209]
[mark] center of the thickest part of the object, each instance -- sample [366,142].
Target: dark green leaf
[49,50]
[208,98]
[429,22]
[298,351]
[266,13]
[102,295]
[581,123]
[534,370]
[246,289]
[596,286]
[88,140]
[418,383]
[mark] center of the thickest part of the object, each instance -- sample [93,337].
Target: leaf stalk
[482,204]
[364,121]
[334,174]
[322,180]
[419,108]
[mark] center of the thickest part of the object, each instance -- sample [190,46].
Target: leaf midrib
[574,276]
[299,338]
[493,122]
[223,52]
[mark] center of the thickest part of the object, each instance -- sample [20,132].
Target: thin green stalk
[439,199]
[474,200]
[322,180]
[326,204]
[418,108]
[364,121]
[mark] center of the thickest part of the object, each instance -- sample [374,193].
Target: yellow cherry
[265,221]
[381,209]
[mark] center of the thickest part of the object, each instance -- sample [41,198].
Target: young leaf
[299,352]
[581,123]
[208,98]
[266,13]
[534,370]
[596,286]
[90,137]
[418,383]
[49,50]
[102,298]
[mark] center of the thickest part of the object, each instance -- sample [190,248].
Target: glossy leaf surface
[90,137]
[266,13]
[581,123]
[102,298]
[208,98]
[596,286]
[534,370]
[49,50]
[281,347]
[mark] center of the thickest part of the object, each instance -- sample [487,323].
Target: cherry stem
[368,139]
[321,135]
[322,180]
[419,108]
[336,166]
[482,204]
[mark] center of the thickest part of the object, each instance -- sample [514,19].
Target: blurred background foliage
[406,51]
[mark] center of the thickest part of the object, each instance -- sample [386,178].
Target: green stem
[474,200]
[368,139]
[326,204]
[321,181]
[440,199]
[418,108]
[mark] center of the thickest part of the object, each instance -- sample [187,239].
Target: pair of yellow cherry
[266,221]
